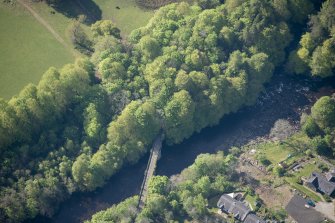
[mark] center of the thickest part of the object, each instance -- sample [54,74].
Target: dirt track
[43,22]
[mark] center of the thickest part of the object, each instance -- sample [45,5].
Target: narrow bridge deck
[150,170]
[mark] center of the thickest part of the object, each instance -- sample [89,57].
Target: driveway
[327,209]
[297,210]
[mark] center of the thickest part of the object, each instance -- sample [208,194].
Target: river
[284,98]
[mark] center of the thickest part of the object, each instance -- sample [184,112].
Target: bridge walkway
[155,154]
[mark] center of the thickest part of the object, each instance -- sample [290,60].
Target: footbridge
[155,154]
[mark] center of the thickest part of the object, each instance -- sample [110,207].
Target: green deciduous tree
[323,113]
[179,117]
[105,28]
[317,51]
[92,123]
[79,39]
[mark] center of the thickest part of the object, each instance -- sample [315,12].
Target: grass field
[289,150]
[129,17]
[58,21]
[274,152]
[27,49]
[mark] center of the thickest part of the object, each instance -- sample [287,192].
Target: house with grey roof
[238,209]
[322,184]
[331,175]
[252,218]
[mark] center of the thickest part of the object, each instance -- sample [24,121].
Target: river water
[284,98]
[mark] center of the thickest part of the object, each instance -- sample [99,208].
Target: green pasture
[276,152]
[129,17]
[289,150]
[27,49]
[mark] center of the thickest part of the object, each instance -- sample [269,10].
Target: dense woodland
[185,70]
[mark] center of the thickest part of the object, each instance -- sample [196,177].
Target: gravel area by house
[327,209]
[297,210]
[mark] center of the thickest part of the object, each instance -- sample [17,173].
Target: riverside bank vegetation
[183,71]
[192,195]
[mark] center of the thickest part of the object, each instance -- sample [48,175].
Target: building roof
[331,175]
[313,182]
[252,218]
[318,182]
[229,205]
[237,196]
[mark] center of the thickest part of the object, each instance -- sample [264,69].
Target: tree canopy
[187,68]
[319,126]
[316,53]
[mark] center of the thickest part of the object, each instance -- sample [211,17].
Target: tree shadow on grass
[74,8]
